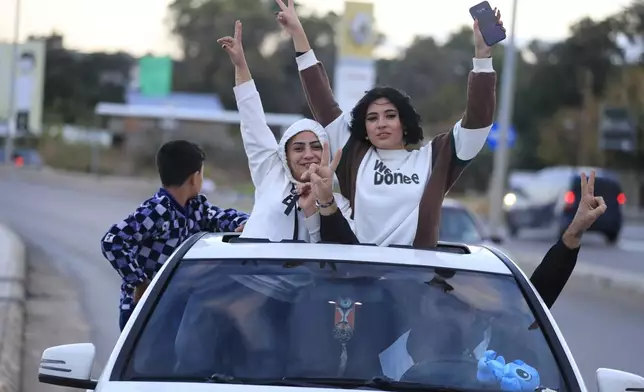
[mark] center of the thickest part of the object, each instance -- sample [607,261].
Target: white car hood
[142,386]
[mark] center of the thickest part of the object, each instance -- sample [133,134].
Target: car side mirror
[611,380]
[69,366]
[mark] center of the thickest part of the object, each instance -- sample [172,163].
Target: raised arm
[315,81]
[469,134]
[452,151]
[336,225]
[551,276]
[259,142]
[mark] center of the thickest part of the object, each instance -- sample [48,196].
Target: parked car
[460,224]
[552,198]
[226,310]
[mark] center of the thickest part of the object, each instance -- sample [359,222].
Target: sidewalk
[12,308]
[603,278]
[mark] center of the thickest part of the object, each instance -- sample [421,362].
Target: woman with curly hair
[396,195]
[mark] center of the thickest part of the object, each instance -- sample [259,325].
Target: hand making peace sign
[233,46]
[321,176]
[590,207]
[288,18]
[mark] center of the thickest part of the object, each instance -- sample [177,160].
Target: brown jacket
[446,167]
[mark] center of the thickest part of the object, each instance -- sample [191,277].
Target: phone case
[492,36]
[481,4]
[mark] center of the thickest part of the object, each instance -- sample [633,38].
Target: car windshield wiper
[379,383]
[286,382]
[223,379]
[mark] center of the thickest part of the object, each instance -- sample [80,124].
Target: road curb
[599,277]
[13,273]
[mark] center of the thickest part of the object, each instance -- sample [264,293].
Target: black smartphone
[491,30]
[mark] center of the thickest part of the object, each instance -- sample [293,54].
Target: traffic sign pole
[11,130]
[505,115]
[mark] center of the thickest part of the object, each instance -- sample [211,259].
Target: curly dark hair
[409,118]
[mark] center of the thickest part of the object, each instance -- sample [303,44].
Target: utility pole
[505,117]
[11,131]
[585,121]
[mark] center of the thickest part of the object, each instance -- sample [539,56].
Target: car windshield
[457,225]
[330,323]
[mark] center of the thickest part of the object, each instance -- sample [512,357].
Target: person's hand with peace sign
[590,208]
[290,22]
[321,177]
[233,46]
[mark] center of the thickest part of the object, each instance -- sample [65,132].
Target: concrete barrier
[603,278]
[13,273]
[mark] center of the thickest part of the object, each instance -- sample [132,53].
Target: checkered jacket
[138,246]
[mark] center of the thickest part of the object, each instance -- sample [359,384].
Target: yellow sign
[28,71]
[357,36]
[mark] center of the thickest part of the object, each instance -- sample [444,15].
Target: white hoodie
[271,216]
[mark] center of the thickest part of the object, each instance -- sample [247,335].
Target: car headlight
[509,199]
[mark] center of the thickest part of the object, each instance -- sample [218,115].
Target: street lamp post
[505,117]
[11,131]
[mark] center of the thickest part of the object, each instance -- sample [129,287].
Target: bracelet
[325,205]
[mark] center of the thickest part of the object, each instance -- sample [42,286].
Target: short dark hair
[409,118]
[177,160]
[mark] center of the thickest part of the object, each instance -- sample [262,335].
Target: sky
[138,27]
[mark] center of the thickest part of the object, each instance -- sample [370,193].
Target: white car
[233,314]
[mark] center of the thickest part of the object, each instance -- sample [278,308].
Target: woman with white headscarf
[285,207]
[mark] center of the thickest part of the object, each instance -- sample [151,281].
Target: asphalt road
[67,222]
[626,255]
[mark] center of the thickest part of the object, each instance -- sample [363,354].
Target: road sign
[155,75]
[493,137]
[617,130]
[22,99]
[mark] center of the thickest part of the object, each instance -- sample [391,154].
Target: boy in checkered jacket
[138,246]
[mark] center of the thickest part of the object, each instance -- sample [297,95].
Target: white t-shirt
[390,183]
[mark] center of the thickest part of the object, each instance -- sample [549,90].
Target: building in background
[153,113]
[355,69]
[151,105]
[24,94]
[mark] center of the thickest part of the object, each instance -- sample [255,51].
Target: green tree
[289,96]
[76,82]
[205,67]
[554,81]
[198,24]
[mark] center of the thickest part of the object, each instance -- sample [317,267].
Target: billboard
[617,129]
[355,70]
[23,94]
[357,37]
[152,76]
